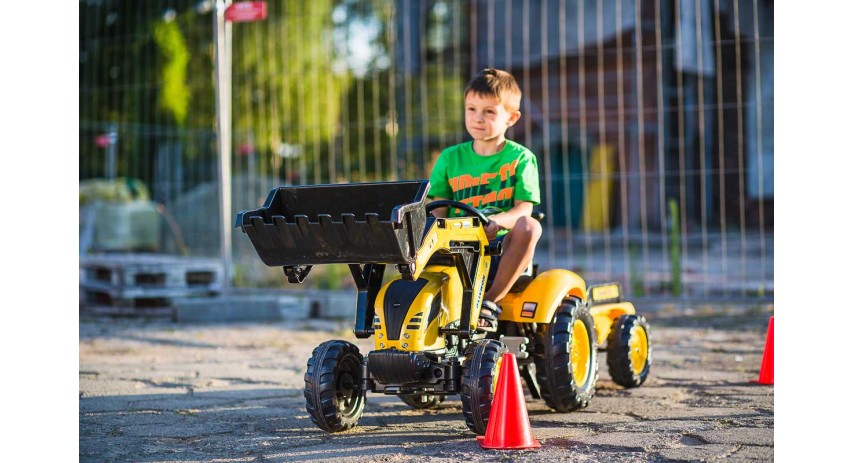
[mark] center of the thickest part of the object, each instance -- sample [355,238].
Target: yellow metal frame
[537,303]
[444,278]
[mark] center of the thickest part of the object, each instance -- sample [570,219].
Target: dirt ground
[160,391]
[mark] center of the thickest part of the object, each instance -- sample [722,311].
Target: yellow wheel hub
[638,349]
[496,373]
[580,352]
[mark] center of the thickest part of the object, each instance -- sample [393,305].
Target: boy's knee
[529,227]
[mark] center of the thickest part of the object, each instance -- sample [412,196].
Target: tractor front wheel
[480,376]
[629,351]
[333,397]
[567,367]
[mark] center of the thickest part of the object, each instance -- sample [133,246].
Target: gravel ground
[159,391]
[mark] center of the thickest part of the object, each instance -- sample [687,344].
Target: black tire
[567,368]
[333,398]
[480,374]
[629,351]
[417,400]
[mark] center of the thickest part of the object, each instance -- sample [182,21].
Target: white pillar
[222,44]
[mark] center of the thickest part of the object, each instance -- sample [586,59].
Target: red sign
[246,12]
[103,140]
[246,149]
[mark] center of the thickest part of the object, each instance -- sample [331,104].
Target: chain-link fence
[652,121]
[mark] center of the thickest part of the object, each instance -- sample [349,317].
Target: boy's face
[486,118]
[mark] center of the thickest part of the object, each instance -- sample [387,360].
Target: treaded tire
[333,399]
[629,351]
[556,371]
[414,400]
[480,372]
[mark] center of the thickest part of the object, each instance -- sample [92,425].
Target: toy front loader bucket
[349,223]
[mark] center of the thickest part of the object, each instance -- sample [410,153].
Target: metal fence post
[222,42]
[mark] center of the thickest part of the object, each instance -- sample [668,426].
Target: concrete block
[267,307]
[227,309]
[294,307]
[337,304]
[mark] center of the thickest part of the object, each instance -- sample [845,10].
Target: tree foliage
[174,93]
[148,67]
[316,95]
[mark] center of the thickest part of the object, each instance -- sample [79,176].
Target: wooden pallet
[145,284]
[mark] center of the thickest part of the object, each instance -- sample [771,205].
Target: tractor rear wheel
[629,350]
[333,397]
[565,357]
[480,376]
[422,401]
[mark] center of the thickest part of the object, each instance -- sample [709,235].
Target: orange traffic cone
[766,371]
[509,427]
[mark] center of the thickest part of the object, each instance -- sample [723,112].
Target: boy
[496,173]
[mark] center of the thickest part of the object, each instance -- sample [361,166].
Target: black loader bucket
[350,223]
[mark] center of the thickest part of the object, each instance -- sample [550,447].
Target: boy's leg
[518,245]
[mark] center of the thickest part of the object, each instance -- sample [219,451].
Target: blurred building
[662,97]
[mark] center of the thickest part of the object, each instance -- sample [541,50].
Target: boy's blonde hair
[498,84]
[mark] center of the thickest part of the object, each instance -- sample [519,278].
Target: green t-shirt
[486,181]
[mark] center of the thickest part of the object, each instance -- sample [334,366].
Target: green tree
[174,93]
[148,67]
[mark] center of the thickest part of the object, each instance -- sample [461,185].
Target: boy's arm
[441,212]
[509,218]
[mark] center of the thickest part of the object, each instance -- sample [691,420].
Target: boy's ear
[514,117]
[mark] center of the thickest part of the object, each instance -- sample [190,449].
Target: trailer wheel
[480,376]
[629,351]
[333,398]
[567,366]
[422,401]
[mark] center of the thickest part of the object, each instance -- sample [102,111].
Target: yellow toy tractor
[424,320]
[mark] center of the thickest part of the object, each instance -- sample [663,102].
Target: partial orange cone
[509,427]
[766,371]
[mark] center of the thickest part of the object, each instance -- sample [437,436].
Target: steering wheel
[458,205]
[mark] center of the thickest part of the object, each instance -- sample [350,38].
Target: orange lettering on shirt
[463,181]
[467,181]
[474,201]
[486,177]
[508,170]
[490,197]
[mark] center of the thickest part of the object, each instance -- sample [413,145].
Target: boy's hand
[491,229]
